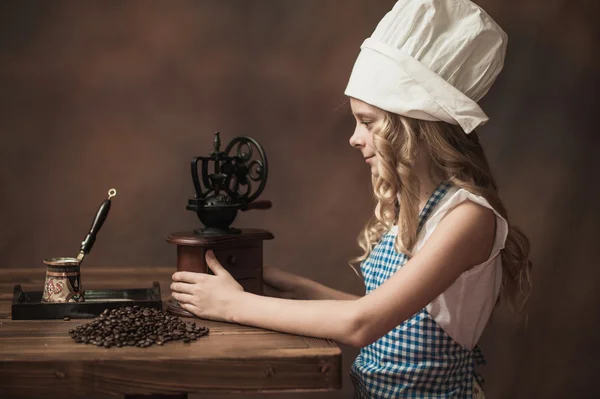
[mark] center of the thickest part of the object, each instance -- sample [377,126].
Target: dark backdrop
[103,94]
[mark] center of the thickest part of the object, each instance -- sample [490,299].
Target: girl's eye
[366,123]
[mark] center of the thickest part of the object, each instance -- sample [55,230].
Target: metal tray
[29,306]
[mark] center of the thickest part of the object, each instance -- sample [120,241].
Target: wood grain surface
[39,357]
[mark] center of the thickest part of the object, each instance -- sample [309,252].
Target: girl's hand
[205,295]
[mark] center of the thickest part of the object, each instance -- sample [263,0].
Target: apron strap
[433,200]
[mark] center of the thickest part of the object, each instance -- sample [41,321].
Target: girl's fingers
[182,287]
[188,277]
[182,298]
[190,308]
[214,265]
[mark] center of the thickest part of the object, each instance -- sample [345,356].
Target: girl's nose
[356,140]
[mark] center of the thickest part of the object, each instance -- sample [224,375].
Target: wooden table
[38,357]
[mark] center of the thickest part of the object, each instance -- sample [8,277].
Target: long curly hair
[457,158]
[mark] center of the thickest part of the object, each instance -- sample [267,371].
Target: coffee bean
[136,326]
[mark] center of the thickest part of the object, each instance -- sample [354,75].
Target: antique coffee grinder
[239,175]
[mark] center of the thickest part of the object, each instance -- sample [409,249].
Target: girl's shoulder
[451,200]
[456,196]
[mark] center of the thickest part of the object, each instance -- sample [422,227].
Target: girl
[439,253]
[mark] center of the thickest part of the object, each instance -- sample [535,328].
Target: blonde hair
[455,157]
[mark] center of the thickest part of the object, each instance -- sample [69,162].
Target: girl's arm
[463,239]
[293,286]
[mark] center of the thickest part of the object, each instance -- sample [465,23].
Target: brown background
[95,95]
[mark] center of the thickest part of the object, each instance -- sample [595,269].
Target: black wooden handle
[88,242]
[260,204]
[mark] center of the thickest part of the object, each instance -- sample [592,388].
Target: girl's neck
[428,183]
[429,178]
[427,186]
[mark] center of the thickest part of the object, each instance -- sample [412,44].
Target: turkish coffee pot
[63,274]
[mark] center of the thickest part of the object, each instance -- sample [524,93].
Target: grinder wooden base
[175,309]
[240,254]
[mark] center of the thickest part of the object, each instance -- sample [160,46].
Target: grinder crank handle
[261,204]
[90,239]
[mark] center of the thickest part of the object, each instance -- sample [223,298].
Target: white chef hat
[431,60]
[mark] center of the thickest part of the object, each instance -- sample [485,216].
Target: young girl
[439,253]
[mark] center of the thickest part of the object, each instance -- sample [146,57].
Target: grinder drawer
[242,263]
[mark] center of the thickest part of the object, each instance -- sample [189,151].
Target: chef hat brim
[387,78]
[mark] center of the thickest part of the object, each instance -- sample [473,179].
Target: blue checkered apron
[417,359]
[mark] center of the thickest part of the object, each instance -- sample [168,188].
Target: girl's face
[367,118]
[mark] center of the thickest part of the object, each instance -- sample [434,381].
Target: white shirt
[464,309]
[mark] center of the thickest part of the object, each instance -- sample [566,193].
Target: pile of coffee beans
[136,326]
